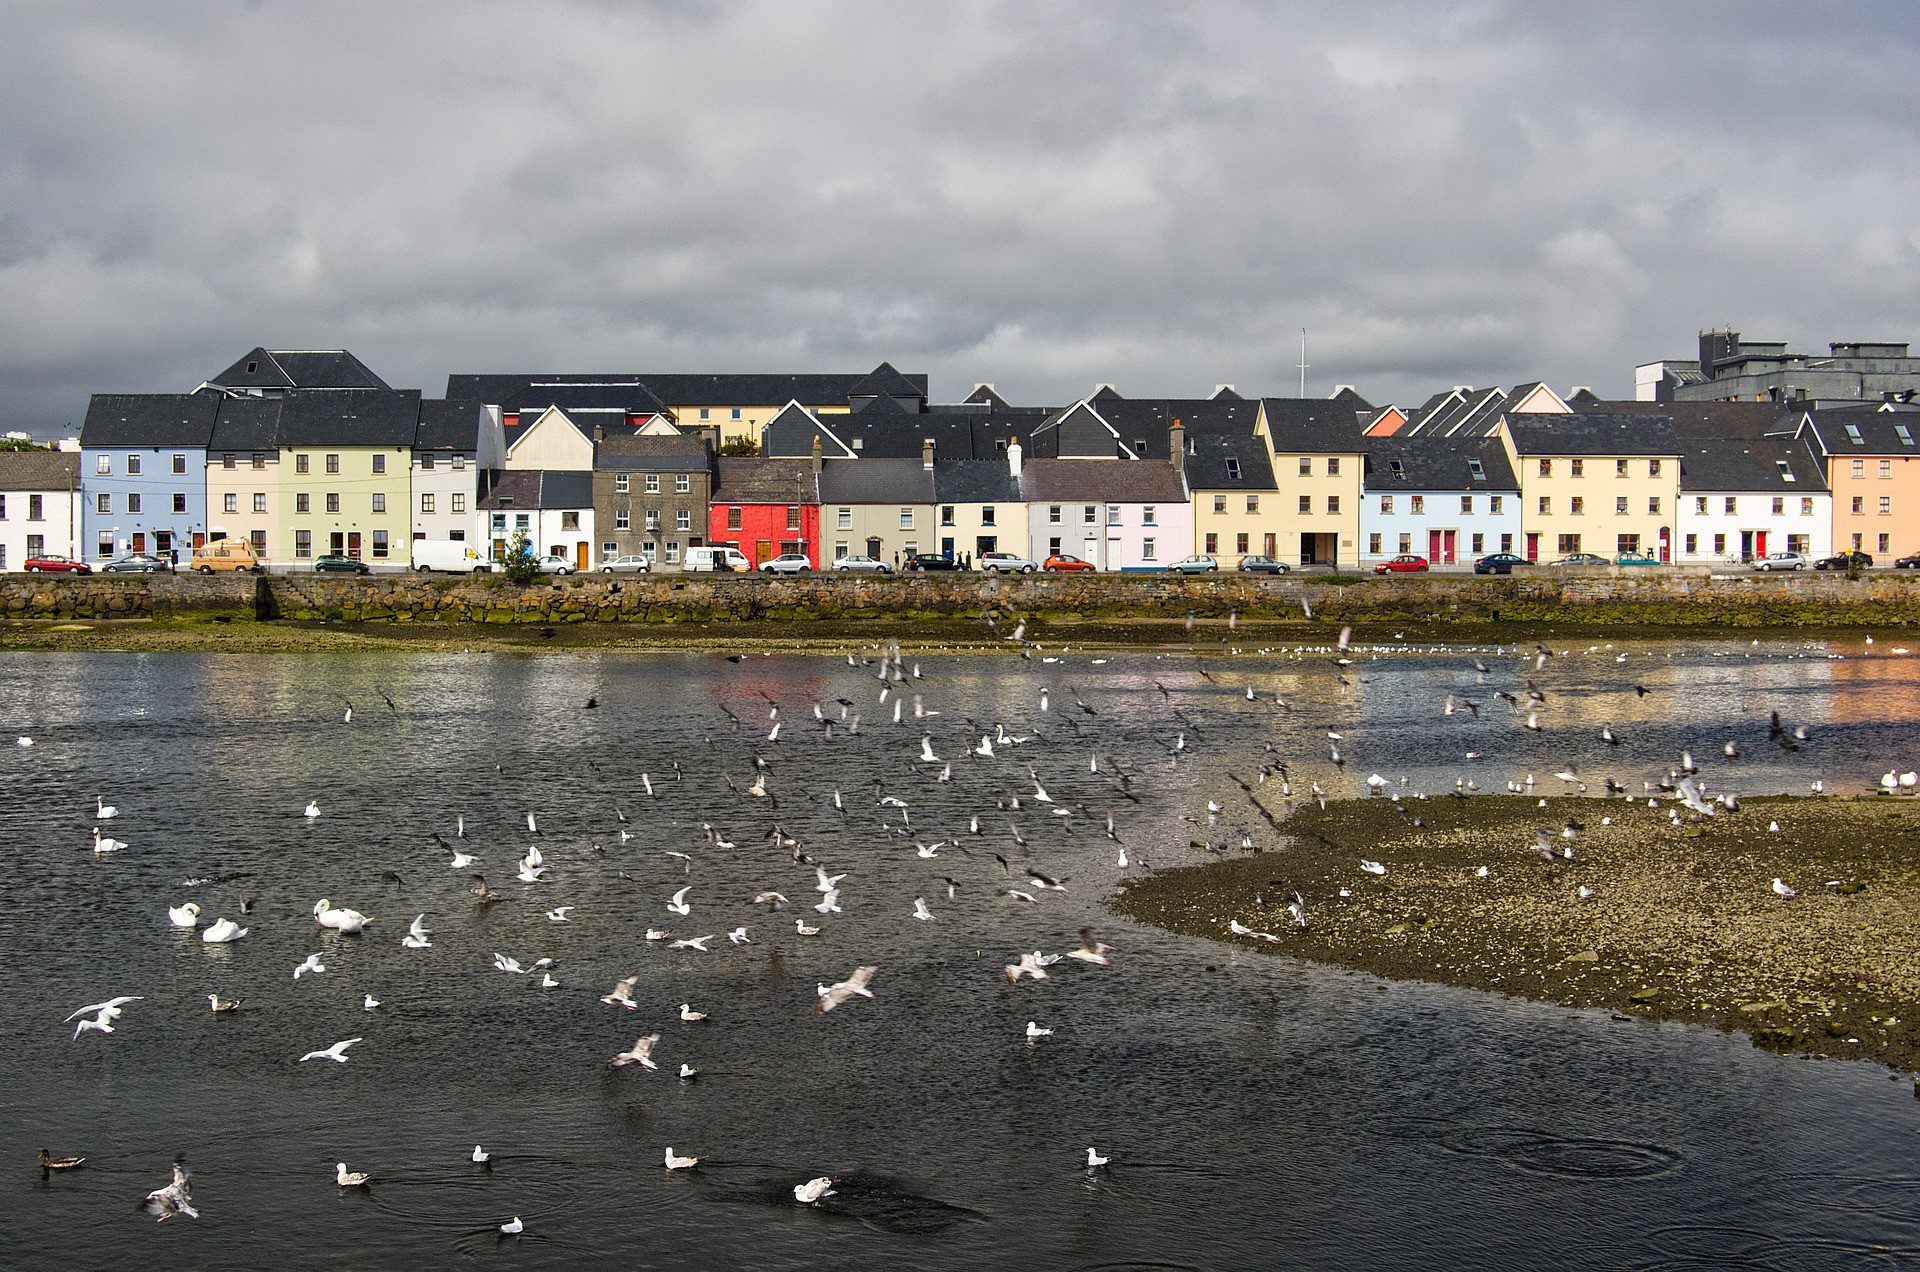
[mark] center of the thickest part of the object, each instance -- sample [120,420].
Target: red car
[56,565]
[1405,563]
[1061,563]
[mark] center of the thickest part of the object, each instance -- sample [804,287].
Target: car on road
[551,564]
[1844,561]
[1908,562]
[221,555]
[1636,558]
[1499,563]
[455,556]
[923,562]
[335,563]
[1006,563]
[1781,561]
[630,563]
[137,563]
[1262,565]
[49,563]
[1201,564]
[788,563]
[1062,563]
[1405,563]
[860,565]
[721,558]
[1581,560]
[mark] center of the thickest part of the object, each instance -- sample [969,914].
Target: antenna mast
[1303,362]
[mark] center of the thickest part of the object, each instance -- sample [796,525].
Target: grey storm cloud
[1047,196]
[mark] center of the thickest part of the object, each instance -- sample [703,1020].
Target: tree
[519,564]
[740,446]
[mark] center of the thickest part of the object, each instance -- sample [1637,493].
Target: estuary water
[1258,1112]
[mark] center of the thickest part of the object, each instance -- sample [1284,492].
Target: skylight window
[1904,433]
[1398,469]
[1786,473]
[1478,469]
[1233,469]
[1853,435]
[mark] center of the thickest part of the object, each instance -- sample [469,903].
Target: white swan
[313,809]
[184,916]
[222,931]
[104,810]
[102,845]
[327,915]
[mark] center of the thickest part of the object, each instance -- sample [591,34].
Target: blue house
[143,473]
[1450,499]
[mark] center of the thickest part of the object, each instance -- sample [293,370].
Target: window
[1619,468]
[227,461]
[1886,505]
[1386,505]
[569,520]
[1859,504]
[1494,504]
[259,501]
[1306,466]
[499,522]
[1806,507]
[906,518]
[1786,472]
[379,502]
[1693,544]
[736,413]
[1856,543]
[133,465]
[1569,544]
[706,413]
[1419,503]
[1478,471]
[1886,468]
[1546,468]
[1466,505]
[1653,506]
[622,483]
[1053,514]
[426,463]
[683,519]
[459,503]
[1113,514]
[379,467]
[989,515]
[1732,503]
[231,502]
[1620,506]
[35,512]
[333,463]
[1506,542]
[1859,468]
[1546,506]
[1373,545]
[1233,469]
[1719,544]
[622,519]
[1149,515]
[609,550]
[1779,506]
[673,551]
[379,540]
[301,503]
[1653,468]
[1904,433]
[1306,504]
[1333,466]
[650,483]
[1213,544]
[521,521]
[682,483]
[104,548]
[1089,515]
[426,505]
[1240,543]
[303,543]
[733,517]
[946,515]
[1253,504]
[1579,467]
[1149,551]
[260,460]
[1886,543]
[1700,505]
[1219,504]
[843,519]
[302,463]
[1479,542]
[1577,505]
[459,463]
[103,464]
[1333,503]
[333,504]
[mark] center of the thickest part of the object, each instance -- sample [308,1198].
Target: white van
[445,554]
[716,560]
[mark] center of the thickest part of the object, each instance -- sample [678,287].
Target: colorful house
[243,474]
[766,507]
[143,473]
[652,495]
[346,463]
[554,510]
[1594,482]
[1451,500]
[979,507]
[39,506]
[1318,463]
[1116,514]
[1869,457]
[453,444]
[880,508]
[1743,498]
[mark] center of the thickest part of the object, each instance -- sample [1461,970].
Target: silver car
[1006,563]
[555,565]
[788,563]
[861,565]
[1781,561]
[632,563]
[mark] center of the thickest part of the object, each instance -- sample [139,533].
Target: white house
[553,509]
[39,506]
[1743,498]
[455,443]
[1117,514]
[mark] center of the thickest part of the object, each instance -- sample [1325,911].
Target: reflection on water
[1256,1111]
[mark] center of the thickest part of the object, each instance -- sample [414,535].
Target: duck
[349,1178]
[223,931]
[184,916]
[327,915]
[49,1162]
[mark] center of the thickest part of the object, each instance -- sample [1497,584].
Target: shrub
[520,565]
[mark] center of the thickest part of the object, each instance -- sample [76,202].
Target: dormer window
[506,501]
[252,367]
[1398,469]
[1233,469]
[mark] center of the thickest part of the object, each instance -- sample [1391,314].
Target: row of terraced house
[306,453]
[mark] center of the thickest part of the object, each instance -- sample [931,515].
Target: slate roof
[1704,420]
[298,369]
[246,424]
[1311,426]
[1750,464]
[747,480]
[1354,400]
[652,455]
[447,426]
[629,396]
[531,489]
[1437,464]
[1880,432]
[876,481]
[975,481]
[1592,433]
[149,419]
[39,470]
[1207,456]
[1102,481]
[677,390]
[985,395]
[389,418]
[884,381]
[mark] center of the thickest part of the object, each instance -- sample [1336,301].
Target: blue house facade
[1451,500]
[143,474]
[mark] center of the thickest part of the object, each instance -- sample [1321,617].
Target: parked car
[1061,563]
[1636,558]
[48,563]
[1006,563]
[1844,560]
[788,563]
[222,555]
[1405,563]
[861,565]
[1262,565]
[335,563]
[1194,565]
[1908,562]
[1782,561]
[137,563]
[451,555]
[551,564]
[631,563]
[1580,560]
[718,559]
[920,562]
[1499,563]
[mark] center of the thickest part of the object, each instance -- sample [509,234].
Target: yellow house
[740,406]
[243,475]
[345,461]
[1314,447]
[1602,483]
[979,507]
[1235,501]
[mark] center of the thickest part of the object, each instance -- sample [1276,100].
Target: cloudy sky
[1045,196]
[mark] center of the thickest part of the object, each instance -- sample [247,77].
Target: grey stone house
[651,494]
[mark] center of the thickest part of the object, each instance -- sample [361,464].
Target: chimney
[1013,457]
[1177,444]
[816,454]
[926,454]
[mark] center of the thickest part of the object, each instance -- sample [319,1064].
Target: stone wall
[1668,598]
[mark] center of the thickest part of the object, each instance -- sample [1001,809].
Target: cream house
[1318,465]
[978,506]
[1594,482]
[879,508]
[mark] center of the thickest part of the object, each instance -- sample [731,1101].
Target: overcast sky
[1045,196]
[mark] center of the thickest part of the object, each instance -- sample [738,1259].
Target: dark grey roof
[447,426]
[793,431]
[1346,395]
[1878,432]
[683,390]
[389,418]
[1208,469]
[1107,393]
[1154,481]
[149,419]
[975,481]
[39,470]
[744,480]
[246,424]
[1705,420]
[1437,464]
[531,489]
[629,396]
[984,395]
[1592,433]
[652,455]
[1311,426]
[298,369]
[878,481]
[1749,464]
[884,381]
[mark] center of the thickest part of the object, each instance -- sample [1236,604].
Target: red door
[139,542]
[1533,545]
[1433,546]
[353,544]
[1447,541]
[1760,545]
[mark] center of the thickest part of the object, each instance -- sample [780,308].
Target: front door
[580,561]
[163,544]
[762,551]
[1114,559]
[1306,549]
[873,549]
[1449,540]
[336,543]
[1433,546]
[1759,543]
[1533,545]
[139,541]
[1271,546]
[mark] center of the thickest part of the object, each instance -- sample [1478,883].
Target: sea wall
[1618,597]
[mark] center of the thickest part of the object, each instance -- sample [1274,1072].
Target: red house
[766,507]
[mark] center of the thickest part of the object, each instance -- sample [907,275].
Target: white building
[554,510]
[39,506]
[1741,499]
[454,445]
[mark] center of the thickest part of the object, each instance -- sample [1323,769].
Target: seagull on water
[349,1178]
[813,1190]
[682,1163]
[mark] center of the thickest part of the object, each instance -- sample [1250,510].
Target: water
[1259,1112]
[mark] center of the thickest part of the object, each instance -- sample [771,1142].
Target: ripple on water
[880,1202]
[1539,1152]
[1727,1246]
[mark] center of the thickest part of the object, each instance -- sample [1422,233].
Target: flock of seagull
[902,700]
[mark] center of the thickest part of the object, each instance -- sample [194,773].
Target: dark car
[925,561]
[137,563]
[1405,563]
[1844,561]
[1904,563]
[50,564]
[1580,560]
[1263,565]
[1499,563]
[333,563]
[1061,563]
